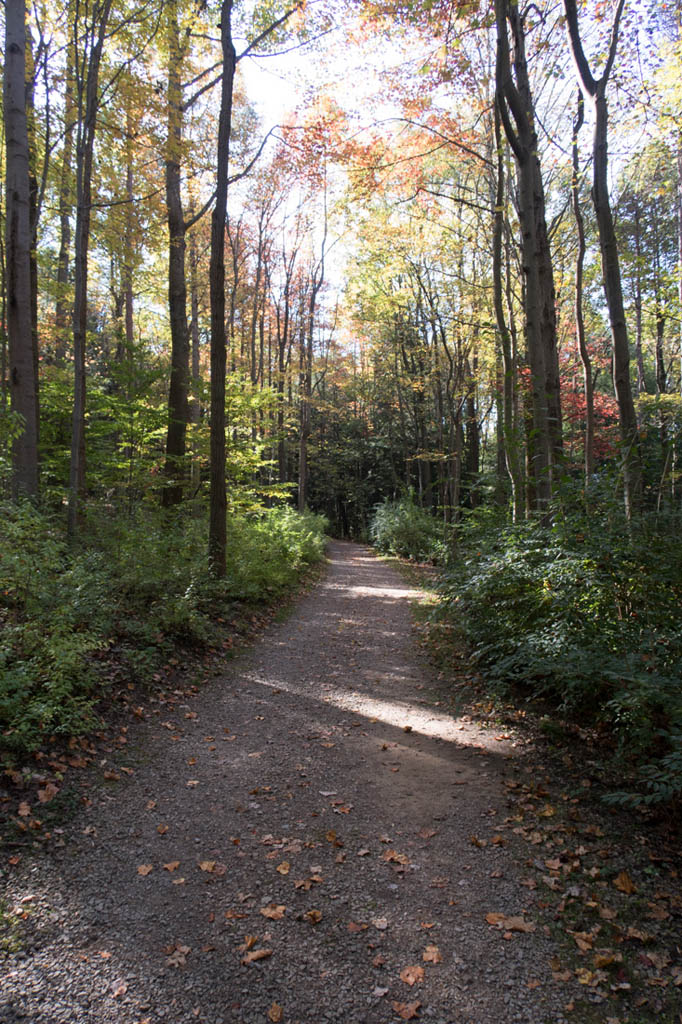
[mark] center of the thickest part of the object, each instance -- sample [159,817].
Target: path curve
[320,780]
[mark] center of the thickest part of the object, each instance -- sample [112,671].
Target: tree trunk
[595,90]
[88,102]
[178,391]
[217,537]
[579,319]
[63,311]
[23,381]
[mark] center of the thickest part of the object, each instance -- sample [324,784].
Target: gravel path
[309,839]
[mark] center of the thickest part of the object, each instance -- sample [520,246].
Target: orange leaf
[145,869]
[275,1013]
[207,865]
[313,916]
[412,975]
[509,924]
[162,829]
[406,1011]
[284,867]
[172,865]
[432,955]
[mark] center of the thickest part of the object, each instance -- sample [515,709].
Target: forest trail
[312,838]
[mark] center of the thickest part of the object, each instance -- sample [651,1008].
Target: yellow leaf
[207,865]
[284,867]
[256,954]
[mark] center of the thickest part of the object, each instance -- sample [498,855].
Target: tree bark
[178,391]
[22,370]
[595,90]
[217,538]
[579,319]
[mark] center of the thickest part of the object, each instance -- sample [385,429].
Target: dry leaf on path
[207,865]
[313,916]
[412,975]
[172,865]
[256,954]
[432,955]
[624,883]
[275,1013]
[145,869]
[509,924]
[284,867]
[274,911]
[406,1011]
[428,833]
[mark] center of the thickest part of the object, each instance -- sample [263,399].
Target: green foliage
[136,590]
[586,615]
[404,528]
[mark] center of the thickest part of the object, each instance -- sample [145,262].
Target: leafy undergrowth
[93,634]
[612,904]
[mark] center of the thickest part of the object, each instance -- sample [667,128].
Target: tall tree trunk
[509,429]
[595,90]
[63,310]
[178,391]
[579,319]
[217,538]
[91,37]
[23,381]
[517,114]
[195,404]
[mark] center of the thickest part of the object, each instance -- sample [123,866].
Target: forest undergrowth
[125,606]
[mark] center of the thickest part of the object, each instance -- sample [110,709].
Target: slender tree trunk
[217,538]
[509,430]
[638,300]
[63,308]
[595,90]
[195,404]
[579,319]
[87,79]
[178,391]
[22,370]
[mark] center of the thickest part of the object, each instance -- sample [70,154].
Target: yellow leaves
[207,865]
[172,865]
[162,829]
[283,868]
[432,955]
[274,911]
[393,857]
[145,869]
[583,940]
[412,975]
[624,883]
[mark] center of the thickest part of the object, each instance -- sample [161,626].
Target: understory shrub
[135,589]
[404,528]
[584,614]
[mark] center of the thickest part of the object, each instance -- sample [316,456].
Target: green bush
[139,585]
[586,615]
[404,528]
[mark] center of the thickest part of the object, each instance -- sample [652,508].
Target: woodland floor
[317,836]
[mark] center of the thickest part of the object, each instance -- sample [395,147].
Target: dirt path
[319,782]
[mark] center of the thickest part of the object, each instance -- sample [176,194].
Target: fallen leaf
[407,1011]
[509,924]
[624,883]
[172,865]
[412,975]
[432,955]
[275,1013]
[178,956]
[379,960]
[162,829]
[284,867]
[191,783]
[427,833]
[353,926]
[207,865]
[313,916]
[24,810]
[256,954]
[380,923]
[145,869]
[232,915]
[274,911]
[380,992]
